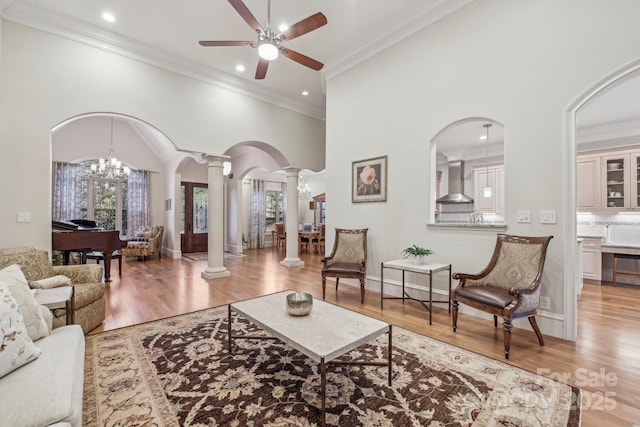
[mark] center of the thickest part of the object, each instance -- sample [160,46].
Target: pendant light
[488,191]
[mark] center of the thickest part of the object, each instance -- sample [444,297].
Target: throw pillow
[16,348]
[13,278]
[51,282]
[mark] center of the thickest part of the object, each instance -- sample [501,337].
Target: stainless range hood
[456,185]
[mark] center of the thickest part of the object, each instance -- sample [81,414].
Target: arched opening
[467,179]
[602,126]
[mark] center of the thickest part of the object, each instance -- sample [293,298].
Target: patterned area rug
[178,372]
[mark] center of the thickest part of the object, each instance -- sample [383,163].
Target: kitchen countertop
[621,245]
[467,226]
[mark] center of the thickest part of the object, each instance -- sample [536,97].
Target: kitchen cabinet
[620,183]
[491,176]
[588,186]
[592,259]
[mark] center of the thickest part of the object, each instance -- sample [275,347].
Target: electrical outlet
[523,216]
[545,303]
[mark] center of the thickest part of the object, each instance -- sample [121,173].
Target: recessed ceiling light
[283,28]
[108,16]
[240,68]
[483,137]
[305,93]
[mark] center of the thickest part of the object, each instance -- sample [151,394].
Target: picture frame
[369,180]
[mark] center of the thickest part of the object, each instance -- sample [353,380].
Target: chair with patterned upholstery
[146,242]
[509,286]
[348,258]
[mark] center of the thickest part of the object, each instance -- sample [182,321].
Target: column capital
[216,160]
[292,171]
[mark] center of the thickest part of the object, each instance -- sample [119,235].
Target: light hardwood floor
[604,362]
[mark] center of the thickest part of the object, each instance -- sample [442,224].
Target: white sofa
[47,391]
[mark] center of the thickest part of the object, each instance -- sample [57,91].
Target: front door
[195,208]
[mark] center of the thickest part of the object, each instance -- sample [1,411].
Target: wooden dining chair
[281,235]
[318,241]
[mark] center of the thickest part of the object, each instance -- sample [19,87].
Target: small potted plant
[416,252]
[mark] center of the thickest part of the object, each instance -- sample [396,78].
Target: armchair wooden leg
[495,321]
[324,286]
[534,325]
[454,314]
[506,326]
[361,291]
[337,281]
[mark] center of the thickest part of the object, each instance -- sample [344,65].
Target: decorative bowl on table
[299,303]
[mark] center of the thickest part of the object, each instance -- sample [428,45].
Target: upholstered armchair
[509,286]
[86,279]
[348,258]
[145,243]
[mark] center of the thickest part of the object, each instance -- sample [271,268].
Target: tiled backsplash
[624,228]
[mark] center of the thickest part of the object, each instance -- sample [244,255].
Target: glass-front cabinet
[319,206]
[621,181]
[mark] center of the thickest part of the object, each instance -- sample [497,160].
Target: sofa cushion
[51,282]
[16,348]
[16,283]
[60,368]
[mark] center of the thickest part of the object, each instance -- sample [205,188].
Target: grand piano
[83,236]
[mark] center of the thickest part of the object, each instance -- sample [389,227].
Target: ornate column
[215,258]
[291,226]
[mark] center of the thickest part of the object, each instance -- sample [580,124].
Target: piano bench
[99,256]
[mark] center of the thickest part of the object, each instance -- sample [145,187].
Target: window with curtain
[274,208]
[120,202]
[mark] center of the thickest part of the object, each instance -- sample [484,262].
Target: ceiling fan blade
[302,59]
[306,25]
[246,14]
[225,43]
[261,71]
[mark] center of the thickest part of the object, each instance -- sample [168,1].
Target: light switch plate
[24,216]
[547,217]
[523,216]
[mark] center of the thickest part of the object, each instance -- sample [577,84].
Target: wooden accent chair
[348,258]
[281,235]
[509,286]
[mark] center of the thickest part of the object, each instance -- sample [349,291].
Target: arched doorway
[571,278]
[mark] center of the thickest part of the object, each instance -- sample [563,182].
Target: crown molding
[403,27]
[609,131]
[69,28]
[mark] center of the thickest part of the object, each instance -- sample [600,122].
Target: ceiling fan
[269,42]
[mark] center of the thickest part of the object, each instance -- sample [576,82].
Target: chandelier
[110,167]
[304,190]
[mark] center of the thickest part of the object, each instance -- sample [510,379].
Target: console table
[405,265]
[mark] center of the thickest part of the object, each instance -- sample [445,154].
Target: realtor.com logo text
[598,400]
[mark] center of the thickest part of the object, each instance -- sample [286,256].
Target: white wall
[519,63]
[46,80]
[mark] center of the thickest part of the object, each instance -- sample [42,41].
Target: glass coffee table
[314,335]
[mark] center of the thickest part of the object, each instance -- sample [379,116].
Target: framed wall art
[369,180]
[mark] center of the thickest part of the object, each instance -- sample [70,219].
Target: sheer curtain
[139,200]
[66,189]
[258,214]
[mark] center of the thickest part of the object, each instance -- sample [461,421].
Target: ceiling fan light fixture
[268,50]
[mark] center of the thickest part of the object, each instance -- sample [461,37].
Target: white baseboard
[551,324]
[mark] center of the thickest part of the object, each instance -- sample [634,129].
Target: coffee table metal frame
[315,335]
[428,269]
